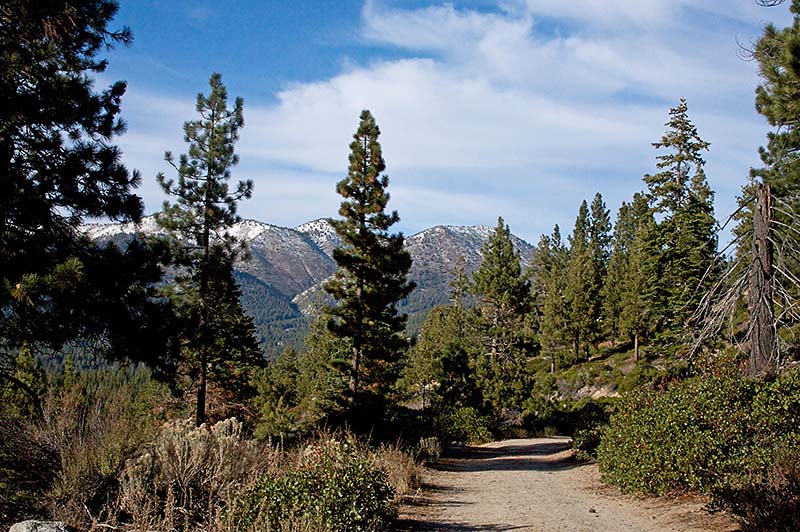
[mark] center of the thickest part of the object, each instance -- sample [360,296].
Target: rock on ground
[39,526]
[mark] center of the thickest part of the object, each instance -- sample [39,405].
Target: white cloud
[521,112]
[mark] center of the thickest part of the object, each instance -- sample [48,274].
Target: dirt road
[534,485]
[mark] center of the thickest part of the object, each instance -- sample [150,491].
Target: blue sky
[515,108]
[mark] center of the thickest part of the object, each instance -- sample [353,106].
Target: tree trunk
[354,364]
[763,356]
[576,346]
[203,331]
[636,346]
[201,389]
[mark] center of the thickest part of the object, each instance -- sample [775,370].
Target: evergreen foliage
[580,286]
[373,266]
[205,208]
[628,309]
[554,333]
[303,389]
[58,164]
[503,330]
[684,243]
[777,98]
[438,367]
[771,259]
[600,247]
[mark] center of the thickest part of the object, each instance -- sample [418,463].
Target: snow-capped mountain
[286,268]
[322,234]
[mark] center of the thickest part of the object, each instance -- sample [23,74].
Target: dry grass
[403,470]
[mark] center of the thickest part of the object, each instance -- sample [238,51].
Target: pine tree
[373,266]
[767,236]
[555,314]
[617,264]
[58,164]
[505,336]
[235,352]
[634,254]
[600,249]
[684,242]
[580,285]
[503,292]
[205,208]
[438,369]
[669,189]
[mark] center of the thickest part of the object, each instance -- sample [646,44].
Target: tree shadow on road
[433,526]
[541,456]
[435,495]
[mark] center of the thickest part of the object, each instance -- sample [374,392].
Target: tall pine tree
[554,335]
[373,266]
[685,237]
[600,249]
[637,311]
[204,210]
[580,286]
[503,328]
[768,241]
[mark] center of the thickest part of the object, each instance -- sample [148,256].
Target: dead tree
[761,330]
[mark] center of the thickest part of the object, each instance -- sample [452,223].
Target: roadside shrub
[677,440]
[586,441]
[465,425]
[772,502]
[571,418]
[733,438]
[403,471]
[335,487]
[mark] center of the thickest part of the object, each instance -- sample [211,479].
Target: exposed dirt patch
[535,485]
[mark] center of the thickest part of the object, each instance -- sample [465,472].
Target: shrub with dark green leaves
[336,488]
[676,440]
[465,425]
[736,439]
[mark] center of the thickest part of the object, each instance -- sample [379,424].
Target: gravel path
[534,485]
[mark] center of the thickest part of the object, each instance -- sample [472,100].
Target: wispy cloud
[520,111]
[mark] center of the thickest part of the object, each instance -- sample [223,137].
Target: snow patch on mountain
[322,234]
[102,231]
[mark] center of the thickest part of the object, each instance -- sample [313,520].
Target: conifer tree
[438,369]
[503,294]
[767,237]
[685,238]
[59,164]
[204,209]
[503,291]
[600,248]
[555,314]
[580,285]
[777,98]
[669,188]
[636,310]
[373,266]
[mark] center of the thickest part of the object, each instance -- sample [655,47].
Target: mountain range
[281,280]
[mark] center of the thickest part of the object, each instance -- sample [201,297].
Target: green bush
[335,488]
[466,425]
[677,440]
[733,438]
